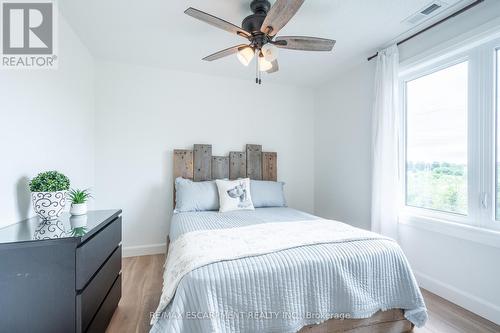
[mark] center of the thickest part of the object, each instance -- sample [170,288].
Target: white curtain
[385,144]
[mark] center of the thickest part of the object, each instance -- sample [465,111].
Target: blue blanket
[284,291]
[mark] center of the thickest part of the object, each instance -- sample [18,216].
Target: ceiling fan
[260,28]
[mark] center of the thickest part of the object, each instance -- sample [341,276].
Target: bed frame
[198,164]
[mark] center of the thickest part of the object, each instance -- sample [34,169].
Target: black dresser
[61,276]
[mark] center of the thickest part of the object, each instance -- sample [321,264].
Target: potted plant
[48,193]
[79,200]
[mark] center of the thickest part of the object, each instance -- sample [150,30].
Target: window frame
[482,115]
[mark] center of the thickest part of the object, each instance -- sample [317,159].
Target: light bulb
[264,65]
[245,55]
[270,52]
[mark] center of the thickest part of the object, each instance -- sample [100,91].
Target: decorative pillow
[195,196]
[267,193]
[234,195]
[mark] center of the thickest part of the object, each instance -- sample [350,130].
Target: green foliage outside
[438,185]
[50,181]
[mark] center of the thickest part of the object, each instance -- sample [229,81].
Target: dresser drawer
[92,254]
[89,300]
[105,312]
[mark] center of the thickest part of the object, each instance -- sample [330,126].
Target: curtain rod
[458,12]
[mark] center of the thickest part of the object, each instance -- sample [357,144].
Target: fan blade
[216,22]
[224,53]
[275,67]
[279,15]
[304,43]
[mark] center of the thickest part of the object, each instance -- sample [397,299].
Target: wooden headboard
[199,164]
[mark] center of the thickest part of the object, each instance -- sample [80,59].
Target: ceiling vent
[427,12]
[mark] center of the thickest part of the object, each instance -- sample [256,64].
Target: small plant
[50,181]
[79,196]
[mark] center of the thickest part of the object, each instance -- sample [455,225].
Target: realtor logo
[28,34]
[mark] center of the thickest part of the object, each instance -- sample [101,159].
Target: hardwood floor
[447,317]
[142,283]
[141,290]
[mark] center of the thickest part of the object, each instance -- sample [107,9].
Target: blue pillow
[267,193]
[195,196]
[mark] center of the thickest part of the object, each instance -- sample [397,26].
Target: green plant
[79,196]
[50,181]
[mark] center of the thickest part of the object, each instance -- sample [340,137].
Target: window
[450,148]
[436,140]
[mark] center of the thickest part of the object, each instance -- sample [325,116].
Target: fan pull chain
[258,73]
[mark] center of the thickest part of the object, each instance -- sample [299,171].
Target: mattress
[286,290]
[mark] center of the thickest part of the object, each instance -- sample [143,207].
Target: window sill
[458,230]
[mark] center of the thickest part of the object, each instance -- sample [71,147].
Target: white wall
[461,270]
[343,147]
[144,113]
[487,11]
[46,123]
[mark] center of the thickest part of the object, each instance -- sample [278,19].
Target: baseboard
[144,250]
[464,299]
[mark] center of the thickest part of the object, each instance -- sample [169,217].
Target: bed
[355,284]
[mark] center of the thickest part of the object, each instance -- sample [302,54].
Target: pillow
[195,196]
[234,195]
[267,193]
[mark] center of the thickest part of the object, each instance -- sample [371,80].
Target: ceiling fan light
[245,55]
[264,65]
[270,52]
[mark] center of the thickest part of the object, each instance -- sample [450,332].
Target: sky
[437,116]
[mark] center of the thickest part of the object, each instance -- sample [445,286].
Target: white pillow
[234,195]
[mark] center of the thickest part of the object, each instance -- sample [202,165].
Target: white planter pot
[78,209]
[48,205]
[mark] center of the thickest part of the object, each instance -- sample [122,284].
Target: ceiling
[158,33]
